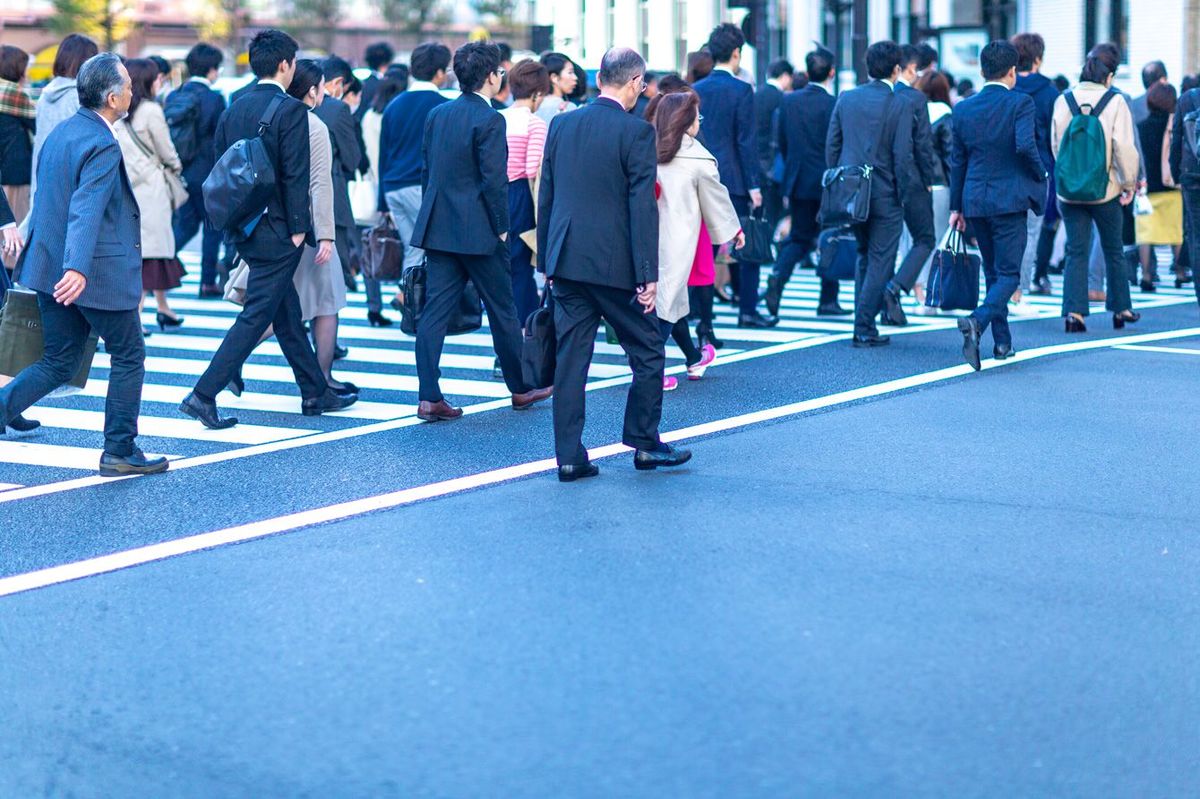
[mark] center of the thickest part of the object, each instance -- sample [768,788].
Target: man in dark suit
[598,245]
[996,177]
[206,105]
[803,127]
[275,241]
[871,126]
[766,106]
[379,56]
[918,197]
[344,136]
[86,266]
[728,131]
[463,225]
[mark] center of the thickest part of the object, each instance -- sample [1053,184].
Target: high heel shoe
[378,320]
[1075,325]
[1180,282]
[166,320]
[1119,319]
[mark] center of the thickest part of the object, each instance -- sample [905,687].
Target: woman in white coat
[689,191]
[149,156]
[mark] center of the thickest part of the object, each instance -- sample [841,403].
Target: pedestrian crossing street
[381,362]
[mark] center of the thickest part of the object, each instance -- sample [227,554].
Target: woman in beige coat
[689,191]
[149,154]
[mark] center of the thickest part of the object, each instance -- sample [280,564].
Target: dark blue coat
[85,217]
[1044,94]
[870,125]
[211,106]
[995,167]
[803,126]
[728,129]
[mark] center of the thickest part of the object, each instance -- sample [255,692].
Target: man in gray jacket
[86,266]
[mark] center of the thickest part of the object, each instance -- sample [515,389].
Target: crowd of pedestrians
[633,203]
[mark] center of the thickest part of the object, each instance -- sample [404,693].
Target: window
[910,18]
[1107,21]
[679,23]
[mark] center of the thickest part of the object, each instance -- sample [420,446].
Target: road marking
[7,486]
[58,456]
[163,427]
[139,556]
[1168,350]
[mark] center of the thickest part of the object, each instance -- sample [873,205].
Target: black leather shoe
[970,332]
[22,425]
[205,412]
[757,320]
[893,311]
[329,401]
[832,309]
[571,473]
[378,320]
[340,353]
[874,340]
[646,459]
[1003,351]
[135,462]
[1148,287]
[346,388]
[1041,287]
[774,295]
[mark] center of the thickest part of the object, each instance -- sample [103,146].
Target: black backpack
[182,110]
[1191,146]
[238,188]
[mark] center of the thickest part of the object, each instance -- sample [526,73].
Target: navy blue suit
[870,125]
[191,217]
[85,219]
[730,133]
[996,177]
[918,200]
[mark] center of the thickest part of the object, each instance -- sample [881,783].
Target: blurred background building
[664,31]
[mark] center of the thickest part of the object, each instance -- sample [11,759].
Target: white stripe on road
[155,552]
[7,486]
[162,427]
[1168,350]
[55,455]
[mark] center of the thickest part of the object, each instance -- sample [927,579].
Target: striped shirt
[526,142]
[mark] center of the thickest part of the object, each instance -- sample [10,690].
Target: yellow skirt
[1165,225]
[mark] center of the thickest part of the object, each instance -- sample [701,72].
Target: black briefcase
[760,246]
[845,196]
[540,347]
[469,316]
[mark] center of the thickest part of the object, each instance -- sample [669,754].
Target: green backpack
[1081,167]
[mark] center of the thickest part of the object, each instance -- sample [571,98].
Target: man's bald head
[619,66]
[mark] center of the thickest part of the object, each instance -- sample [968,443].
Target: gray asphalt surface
[985,587]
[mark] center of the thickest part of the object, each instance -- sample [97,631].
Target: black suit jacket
[766,103]
[597,215]
[803,127]
[286,141]
[870,125]
[464,179]
[212,105]
[370,86]
[923,168]
[347,153]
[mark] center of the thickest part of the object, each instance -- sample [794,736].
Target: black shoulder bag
[240,185]
[846,190]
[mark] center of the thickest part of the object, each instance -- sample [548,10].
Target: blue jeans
[65,330]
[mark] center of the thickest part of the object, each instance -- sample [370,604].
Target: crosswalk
[381,362]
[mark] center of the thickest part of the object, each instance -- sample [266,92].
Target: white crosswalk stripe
[381,362]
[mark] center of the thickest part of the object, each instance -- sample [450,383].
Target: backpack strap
[269,115]
[1104,101]
[1071,104]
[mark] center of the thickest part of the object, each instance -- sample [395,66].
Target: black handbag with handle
[383,252]
[469,316]
[540,346]
[759,247]
[846,190]
[953,277]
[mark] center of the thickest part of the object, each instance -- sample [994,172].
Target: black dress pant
[800,243]
[748,274]
[65,330]
[447,275]
[918,218]
[578,310]
[878,238]
[271,300]
[1002,241]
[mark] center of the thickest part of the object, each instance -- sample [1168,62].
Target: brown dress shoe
[523,401]
[439,411]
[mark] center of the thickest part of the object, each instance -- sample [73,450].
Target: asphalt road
[981,586]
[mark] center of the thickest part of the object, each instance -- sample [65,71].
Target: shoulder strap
[883,129]
[141,145]
[1071,104]
[1104,101]
[269,115]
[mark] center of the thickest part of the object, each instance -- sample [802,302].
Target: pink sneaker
[670,384]
[708,355]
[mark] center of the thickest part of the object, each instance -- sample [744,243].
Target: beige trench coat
[145,173]
[690,190]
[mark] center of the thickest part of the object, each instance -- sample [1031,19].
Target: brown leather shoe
[439,411]
[526,400]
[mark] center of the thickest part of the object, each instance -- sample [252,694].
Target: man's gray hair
[98,78]
[619,66]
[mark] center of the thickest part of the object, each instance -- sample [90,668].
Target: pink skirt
[703,267]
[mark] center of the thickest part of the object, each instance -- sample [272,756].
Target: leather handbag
[21,340]
[846,190]
[759,247]
[837,250]
[954,276]
[540,346]
[383,252]
[469,314]
[235,287]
